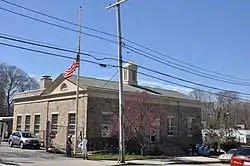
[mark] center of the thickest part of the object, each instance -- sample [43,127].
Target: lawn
[115,157]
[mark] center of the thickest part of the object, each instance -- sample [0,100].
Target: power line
[185,63]
[111,78]
[56,55]
[56,18]
[56,25]
[66,50]
[139,45]
[107,65]
[92,29]
[53,47]
[185,86]
[188,70]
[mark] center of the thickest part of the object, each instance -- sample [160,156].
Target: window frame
[170,126]
[125,75]
[27,125]
[63,87]
[19,124]
[190,126]
[71,126]
[54,126]
[37,124]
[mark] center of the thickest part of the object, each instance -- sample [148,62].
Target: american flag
[69,72]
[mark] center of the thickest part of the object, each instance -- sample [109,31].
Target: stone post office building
[55,102]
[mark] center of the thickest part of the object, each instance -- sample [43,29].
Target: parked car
[225,158]
[24,139]
[241,157]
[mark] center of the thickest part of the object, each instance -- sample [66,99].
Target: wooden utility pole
[121,118]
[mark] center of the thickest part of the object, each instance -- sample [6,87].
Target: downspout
[178,110]
[47,128]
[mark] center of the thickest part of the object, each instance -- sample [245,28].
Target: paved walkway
[80,162]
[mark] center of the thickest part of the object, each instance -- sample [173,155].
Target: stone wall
[60,107]
[178,143]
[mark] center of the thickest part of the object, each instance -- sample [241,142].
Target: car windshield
[243,151]
[28,135]
[232,151]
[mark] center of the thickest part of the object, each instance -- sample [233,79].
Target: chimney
[130,73]
[45,82]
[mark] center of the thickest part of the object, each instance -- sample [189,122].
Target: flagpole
[78,76]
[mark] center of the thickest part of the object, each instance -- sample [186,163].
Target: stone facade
[46,109]
[99,107]
[96,106]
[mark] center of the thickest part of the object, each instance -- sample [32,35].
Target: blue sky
[211,34]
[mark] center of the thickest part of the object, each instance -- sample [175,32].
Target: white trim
[71,112]
[19,115]
[51,99]
[107,113]
[54,113]
[27,114]
[37,113]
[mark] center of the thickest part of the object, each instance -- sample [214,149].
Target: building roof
[110,85]
[113,85]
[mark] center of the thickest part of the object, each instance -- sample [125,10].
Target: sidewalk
[67,162]
[80,162]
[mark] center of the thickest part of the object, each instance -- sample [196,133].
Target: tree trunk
[142,149]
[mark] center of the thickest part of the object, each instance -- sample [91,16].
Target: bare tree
[15,80]
[228,108]
[207,111]
[141,118]
[2,102]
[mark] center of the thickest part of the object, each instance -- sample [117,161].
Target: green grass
[115,157]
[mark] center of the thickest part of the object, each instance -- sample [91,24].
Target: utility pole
[121,118]
[78,77]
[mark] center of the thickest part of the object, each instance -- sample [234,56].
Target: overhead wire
[56,25]
[72,51]
[186,63]
[188,70]
[108,65]
[109,80]
[54,45]
[130,41]
[55,48]
[58,19]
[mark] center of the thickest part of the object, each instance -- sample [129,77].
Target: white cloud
[165,86]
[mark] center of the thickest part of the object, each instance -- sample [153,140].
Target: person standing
[83,147]
[68,146]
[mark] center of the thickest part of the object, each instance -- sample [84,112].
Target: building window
[71,123]
[125,75]
[54,123]
[133,75]
[170,126]
[37,124]
[27,123]
[64,87]
[152,137]
[190,126]
[19,123]
[106,119]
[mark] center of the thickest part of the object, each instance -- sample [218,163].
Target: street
[30,157]
[18,155]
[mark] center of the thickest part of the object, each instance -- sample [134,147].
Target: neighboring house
[240,135]
[55,102]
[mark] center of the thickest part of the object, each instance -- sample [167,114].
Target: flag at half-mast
[69,72]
